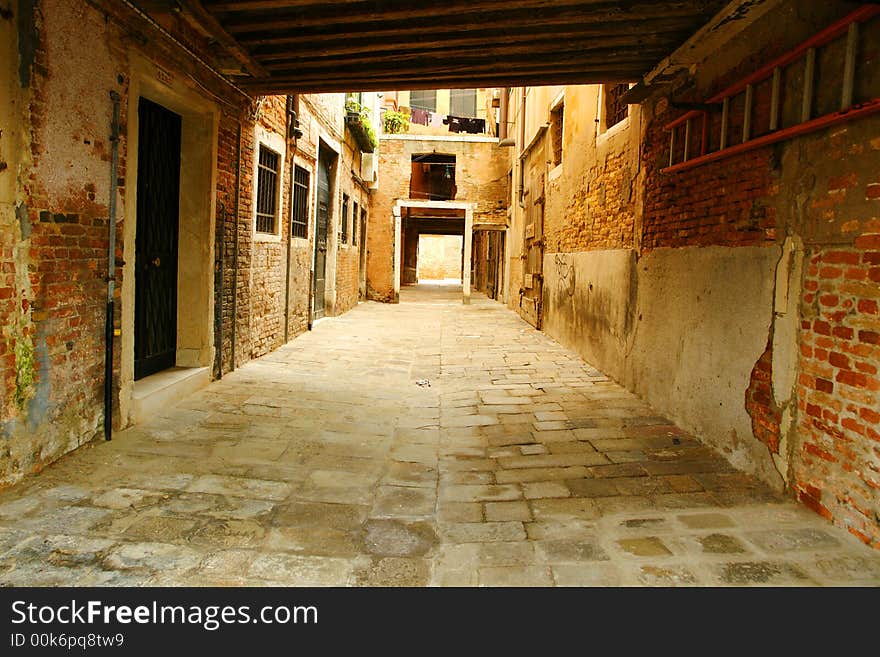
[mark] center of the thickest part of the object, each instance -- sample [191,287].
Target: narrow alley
[473,450]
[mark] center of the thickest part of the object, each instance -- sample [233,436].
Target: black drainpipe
[219,302]
[111,271]
[235,245]
[291,127]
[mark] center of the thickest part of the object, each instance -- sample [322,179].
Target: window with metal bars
[354,223]
[343,221]
[299,218]
[267,190]
[615,110]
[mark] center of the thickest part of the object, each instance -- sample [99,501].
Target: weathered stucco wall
[439,257]
[682,328]
[744,304]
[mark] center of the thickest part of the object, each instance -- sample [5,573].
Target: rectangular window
[299,217]
[267,190]
[354,224]
[463,102]
[556,118]
[343,220]
[423,99]
[615,110]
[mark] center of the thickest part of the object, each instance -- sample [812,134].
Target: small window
[354,224]
[423,99]
[463,102]
[615,109]
[556,131]
[343,220]
[267,190]
[363,225]
[299,222]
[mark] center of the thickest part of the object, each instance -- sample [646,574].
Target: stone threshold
[157,392]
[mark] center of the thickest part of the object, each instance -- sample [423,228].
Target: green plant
[395,123]
[361,116]
[371,134]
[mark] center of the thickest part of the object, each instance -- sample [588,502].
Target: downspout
[111,270]
[235,245]
[220,290]
[291,125]
[502,119]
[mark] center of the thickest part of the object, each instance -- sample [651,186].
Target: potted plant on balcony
[357,119]
[395,122]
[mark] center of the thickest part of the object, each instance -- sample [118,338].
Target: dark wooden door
[322,225]
[158,205]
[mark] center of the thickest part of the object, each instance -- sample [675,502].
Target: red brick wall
[728,202]
[760,404]
[839,393]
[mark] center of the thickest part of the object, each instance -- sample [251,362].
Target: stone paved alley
[326,463]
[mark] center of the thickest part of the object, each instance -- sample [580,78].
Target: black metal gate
[322,224]
[158,204]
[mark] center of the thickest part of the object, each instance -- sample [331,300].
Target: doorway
[156,239]
[322,229]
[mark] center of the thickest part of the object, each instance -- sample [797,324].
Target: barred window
[343,220]
[615,110]
[354,223]
[267,190]
[299,218]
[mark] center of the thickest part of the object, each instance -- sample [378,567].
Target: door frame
[467,207]
[328,143]
[154,363]
[195,265]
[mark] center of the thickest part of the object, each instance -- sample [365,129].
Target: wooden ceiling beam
[405,33]
[470,59]
[244,6]
[222,6]
[488,11]
[473,65]
[514,76]
[210,24]
[317,87]
[465,47]
[464,18]
[668,32]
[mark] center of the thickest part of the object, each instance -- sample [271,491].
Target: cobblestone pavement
[326,463]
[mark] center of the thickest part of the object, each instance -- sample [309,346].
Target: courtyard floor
[425,443]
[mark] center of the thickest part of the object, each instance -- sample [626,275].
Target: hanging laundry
[420,116]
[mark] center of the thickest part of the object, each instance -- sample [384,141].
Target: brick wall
[726,202]
[838,471]
[599,209]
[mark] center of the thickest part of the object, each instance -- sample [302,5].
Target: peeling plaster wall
[745,304]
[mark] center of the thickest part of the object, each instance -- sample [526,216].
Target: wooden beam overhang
[302,46]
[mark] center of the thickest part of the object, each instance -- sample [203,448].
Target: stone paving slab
[324,464]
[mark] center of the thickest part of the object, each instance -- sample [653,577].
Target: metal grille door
[158,204]
[321,229]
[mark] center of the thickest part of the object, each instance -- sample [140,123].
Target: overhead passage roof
[293,46]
